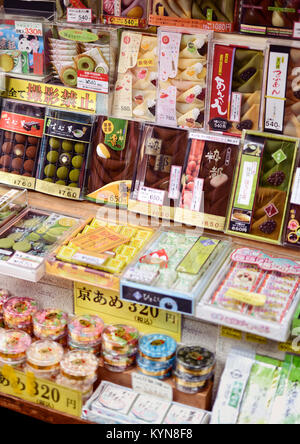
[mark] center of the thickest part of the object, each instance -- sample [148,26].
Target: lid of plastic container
[120,336]
[157,346]
[195,358]
[44,353]
[14,342]
[86,325]
[79,363]
[19,307]
[51,318]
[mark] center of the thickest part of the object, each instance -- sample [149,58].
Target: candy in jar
[85,329]
[13,346]
[18,312]
[43,358]
[50,324]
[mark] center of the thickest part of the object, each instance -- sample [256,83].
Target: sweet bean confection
[194,368]
[269,17]
[13,347]
[18,313]
[157,181]
[133,12]
[156,356]
[207,181]
[259,201]
[236,88]
[50,324]
[137,77]
[43,358]
[64,154]
[113,159]
[21,130]
[119,347]
[182,78]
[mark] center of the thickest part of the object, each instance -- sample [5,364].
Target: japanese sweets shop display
[174,271]
[270,17]
[113,160]
[261,192]
[125,12]
[27,240]
[207,180]
[282,103]
[236,87]
[21,131]
[64,154]
[135,94]
[256,290]
[157,181]
[212,14]
[183,74]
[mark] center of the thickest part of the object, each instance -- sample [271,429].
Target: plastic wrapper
[261,191]
[113,160]
[133,13]
[236,88]
[269,17]
[183,73]
[135,94]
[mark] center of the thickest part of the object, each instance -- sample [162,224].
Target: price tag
[151,196]
[43,392]
[75,15]
[123,21]
[108,305]
[231,333]
[93,81]
[146,385]
[57,190]
[29,28]
[17,181]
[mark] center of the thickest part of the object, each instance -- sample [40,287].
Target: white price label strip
[75,15]
[29,28]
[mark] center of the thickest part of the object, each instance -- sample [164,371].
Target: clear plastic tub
[189,387]
[50,324]
[13,346]
[118,364]
[79,366]
[4,296]
[84,388]
[95,349]
[194,361]
[18,312]
[85,329]
[43,358]
[120,340]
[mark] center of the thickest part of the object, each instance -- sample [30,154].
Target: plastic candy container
[119,347]
[156,355]
[194,367]
[4,296]
[50,324]
[18,313]
[78,370]
[95,349]
[13,346]
[43,358]
[85,330]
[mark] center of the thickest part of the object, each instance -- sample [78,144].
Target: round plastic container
[13,346]
[43,357]
[85,329]
[189,386]
[154,373]
[118,364]
[153,366]
[4,296]
[18,313]
[120,340]
[50,324]
[95,349]
[195,361]
[157,348]
[85,389]
[79,366]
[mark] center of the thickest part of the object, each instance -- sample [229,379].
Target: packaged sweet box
[131,13]
[173,272]
[236,87]
[113,158]
[207,180]
[135,92]
[21,131]
[98,252]
[27,240]
[215,15]
[157,179]
[255,291]
[64,155]
[291,234]
[12,202]
[183,77]
[272,18]
[260,197]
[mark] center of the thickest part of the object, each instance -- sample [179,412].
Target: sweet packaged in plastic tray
[237,84]
[173,272]
[183,74]
[135,94]
[261,190]
[113,160]
[255,291]
[12,202]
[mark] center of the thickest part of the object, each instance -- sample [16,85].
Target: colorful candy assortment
[13,346]
[119,347]
[50,324]
[18,313]
[43,358]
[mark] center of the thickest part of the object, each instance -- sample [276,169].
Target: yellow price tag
[145,63]
[108,305]
[231,333]
[17,181]
[40,391]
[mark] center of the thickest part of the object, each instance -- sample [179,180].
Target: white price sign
[92,81]
[75,15]
[29,28]
[151,196]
